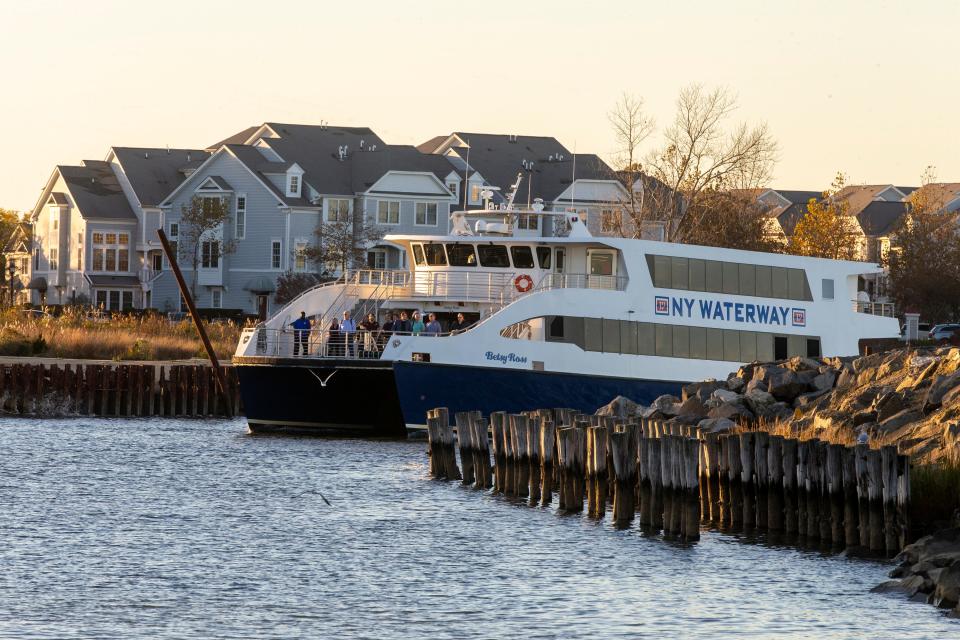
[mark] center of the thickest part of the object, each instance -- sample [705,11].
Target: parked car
[923,330]
[943,332]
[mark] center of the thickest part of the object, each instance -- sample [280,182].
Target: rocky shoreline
[929,571]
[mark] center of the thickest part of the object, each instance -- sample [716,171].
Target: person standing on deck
[460,324]
[348,329]
[417,325]
[301,333]
[371,334]
[433,327]
[403,324]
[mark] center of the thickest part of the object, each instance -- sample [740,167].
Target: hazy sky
[870,88]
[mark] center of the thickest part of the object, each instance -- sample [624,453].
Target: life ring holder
[523,283]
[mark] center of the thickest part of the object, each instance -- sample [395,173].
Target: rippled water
[188,529]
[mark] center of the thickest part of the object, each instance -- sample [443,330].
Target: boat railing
[885,309]
[582,281]
[319,343]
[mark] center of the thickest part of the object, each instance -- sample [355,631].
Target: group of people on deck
[347,338]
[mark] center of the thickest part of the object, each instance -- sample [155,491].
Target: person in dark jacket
[334,342]
[403,324]
[460,324]
[301,333]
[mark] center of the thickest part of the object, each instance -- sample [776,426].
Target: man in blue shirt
[301,332]
[433,327]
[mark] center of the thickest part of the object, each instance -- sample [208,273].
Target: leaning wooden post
[465,445]
[185,292]
[433,445]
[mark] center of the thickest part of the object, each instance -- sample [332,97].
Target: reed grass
[935,494]
[77,334]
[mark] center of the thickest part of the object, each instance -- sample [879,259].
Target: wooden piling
[596,471]
[888,474]
[465,446]
[622,452]
[548,447]
[834,478]
[497,426]
[875,498]
[775,520]
[761,444]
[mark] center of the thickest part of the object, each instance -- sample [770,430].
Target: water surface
[193,529]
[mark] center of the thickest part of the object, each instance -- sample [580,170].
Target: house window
[158,262]
[426,214]
[216,298]
[56,220]
[111,251]
[275,253]
[475,190]
[453,188]
[174,237]
[294,187]
[377,259]
[36,258]
[210,254]
[338,210]
[114,299]
[53,260]
[300,256]
[388,212]
[241,226]
[79,259]
[609,221]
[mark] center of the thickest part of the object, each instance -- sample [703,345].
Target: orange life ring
[523,283]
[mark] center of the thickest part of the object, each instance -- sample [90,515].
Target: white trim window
[241,216]
[475,190]
[111,251]
[216,298]
[276,253]
[299,255]
[338,209]
[388,212]
[210,254]
[454,189]
[293,185]
[114,299]
[174,236]
[54,262]
[426,214]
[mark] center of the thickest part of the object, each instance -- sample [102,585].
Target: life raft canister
[523,283]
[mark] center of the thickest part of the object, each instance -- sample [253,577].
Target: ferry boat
[569,320]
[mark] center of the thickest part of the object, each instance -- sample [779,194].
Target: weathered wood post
[761,444]
[446,450]
[535,456]
[498,439]
[732,444]
[481,442]
[813,483]
[851,517]
[655,451]
[903,499]
[596,471]
[622,452]
[803,470]
[710,474]
[790,509]
[571,453]
[861,467]
[548,448]
[465,445]
[875,497]
[748,478]
[518,433]
[775,484]
[888,463]
[834,474]
[691,481]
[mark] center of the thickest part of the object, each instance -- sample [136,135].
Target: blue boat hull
[381,398]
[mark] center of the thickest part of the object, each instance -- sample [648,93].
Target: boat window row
[734,278]
[672,341]
[497,256]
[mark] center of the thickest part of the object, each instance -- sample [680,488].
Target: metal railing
[582,281]
[885,309]
[317,343]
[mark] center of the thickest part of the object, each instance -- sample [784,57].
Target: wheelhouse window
[601,263]
[388,212]
[435,255]
[426,214]
[418,258]
[714,276]
[493,255]
[543,257]
[461,255]
[529,221]
[522,257]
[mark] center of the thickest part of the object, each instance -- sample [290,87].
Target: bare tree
[341,244]
[201,239]
[631,128]
[701,153]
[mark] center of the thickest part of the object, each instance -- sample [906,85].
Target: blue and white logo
[505,358]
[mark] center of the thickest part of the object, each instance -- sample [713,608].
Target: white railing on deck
[319,343]
[874,308]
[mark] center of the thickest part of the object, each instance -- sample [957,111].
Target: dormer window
[452,186]
[293,186]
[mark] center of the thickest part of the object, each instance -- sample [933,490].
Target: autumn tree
[342,244]
[200,240]
[924,263]
[731,219]
[825,230]
[631,128]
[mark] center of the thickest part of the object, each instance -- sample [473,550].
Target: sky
[869,88]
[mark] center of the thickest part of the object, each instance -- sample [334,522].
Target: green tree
[825,230]
[201,234]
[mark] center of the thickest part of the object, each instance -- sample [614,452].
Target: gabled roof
[935,195]
[857,197]
[96,192]
[19,240]
[58,198]
[499,158]
[155,173]
[881,218]
[799,197]
[789,216]
[432,144]
[238,138]
[254,161]
[369,166]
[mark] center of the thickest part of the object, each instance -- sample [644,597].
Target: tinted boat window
[418,255]
[522,257]
[461,255]
[435,255]
[493,255]
[543,257]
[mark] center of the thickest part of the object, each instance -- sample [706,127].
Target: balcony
[884,309]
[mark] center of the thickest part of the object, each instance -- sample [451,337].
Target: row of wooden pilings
[116,390]
[675,479]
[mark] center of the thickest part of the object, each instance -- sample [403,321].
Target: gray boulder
[900,419]
[692,407]
[784,384]
[736,384]
[806,400]
[701,390]
[666,405]
[621,407]
[940,387]
[722,396]
[716,425]
[825,380]
[947,594]
[756,398]
[736,411]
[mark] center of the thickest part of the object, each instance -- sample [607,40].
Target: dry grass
[789,429]
[121,337]
[935,494]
